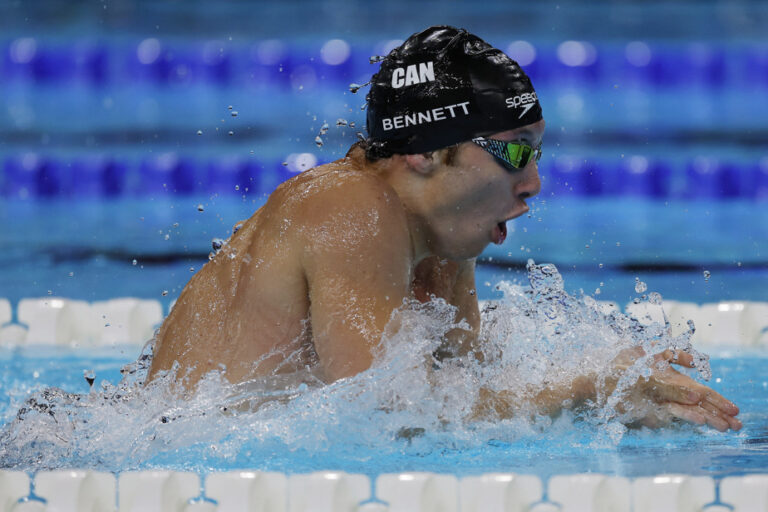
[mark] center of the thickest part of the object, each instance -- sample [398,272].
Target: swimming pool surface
[567,446]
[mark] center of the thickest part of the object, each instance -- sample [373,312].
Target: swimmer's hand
[668,394]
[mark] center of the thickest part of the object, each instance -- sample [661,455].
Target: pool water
[559,449]
[397,416]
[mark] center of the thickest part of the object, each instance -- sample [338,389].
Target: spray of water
[536,339]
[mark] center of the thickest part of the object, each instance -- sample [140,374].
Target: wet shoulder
[338,189]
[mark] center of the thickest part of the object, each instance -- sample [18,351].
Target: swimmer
[308,283]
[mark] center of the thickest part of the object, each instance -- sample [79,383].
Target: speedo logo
[413,74]
[525,101]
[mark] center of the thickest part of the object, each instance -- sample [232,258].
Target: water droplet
[165,292]
[373,59]
[50,292]
[597,291]
[351,124]
[175,224]
[618,244]
[200,208]
[90,376]
[211,255]
[199,132]
[167,236]
[217,244]
[324,129]
[229,107]
[640,287]
[353,88]
[285,164]
[231,132]
[71,274]
[655,298]
[191,269]
[600,265]
[234,113]
[738,263]
[707,275]
[237,187]
[341,122]
[237,227]
[318,141]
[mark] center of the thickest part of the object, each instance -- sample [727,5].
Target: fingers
[717,400]
[698,415]
[713,411]
[674,386]
[662,391]
[687,412]
[678,357]
[692,401]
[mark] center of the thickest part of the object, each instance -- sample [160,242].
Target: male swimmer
[310,280]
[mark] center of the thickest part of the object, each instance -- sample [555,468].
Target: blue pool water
[567,446]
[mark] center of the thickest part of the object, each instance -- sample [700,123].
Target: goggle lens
[513,156]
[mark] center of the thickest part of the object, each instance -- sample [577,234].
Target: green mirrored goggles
[513,156]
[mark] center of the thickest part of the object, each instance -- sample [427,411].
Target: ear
[422,163]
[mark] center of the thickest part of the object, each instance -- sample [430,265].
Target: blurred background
[132,133]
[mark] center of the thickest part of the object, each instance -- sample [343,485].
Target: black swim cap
[443,86]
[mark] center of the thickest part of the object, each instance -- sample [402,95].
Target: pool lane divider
[33,175]
[133,321]
[74,490]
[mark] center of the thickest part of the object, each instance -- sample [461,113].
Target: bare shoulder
[341,211]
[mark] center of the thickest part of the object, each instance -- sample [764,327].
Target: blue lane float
[336,61]
[35,175]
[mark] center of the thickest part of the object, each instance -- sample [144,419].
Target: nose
[529,184]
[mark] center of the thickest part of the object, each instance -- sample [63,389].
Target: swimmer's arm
[492,404]
[357,273]
[462,341]
[665,395]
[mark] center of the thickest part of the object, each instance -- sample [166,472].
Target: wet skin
[310,280]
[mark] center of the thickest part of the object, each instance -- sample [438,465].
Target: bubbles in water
[324,129]
[230,107]
[231,132]
[191,269]
[341,122]
[234,113]
[165,292]
[707,275]
[318,141]
[640,286]
[199,132]
[200,208]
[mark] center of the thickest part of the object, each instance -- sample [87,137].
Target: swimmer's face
[476,196]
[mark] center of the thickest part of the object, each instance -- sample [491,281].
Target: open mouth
[500,233]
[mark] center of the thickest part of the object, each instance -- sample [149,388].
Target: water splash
[538,337]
